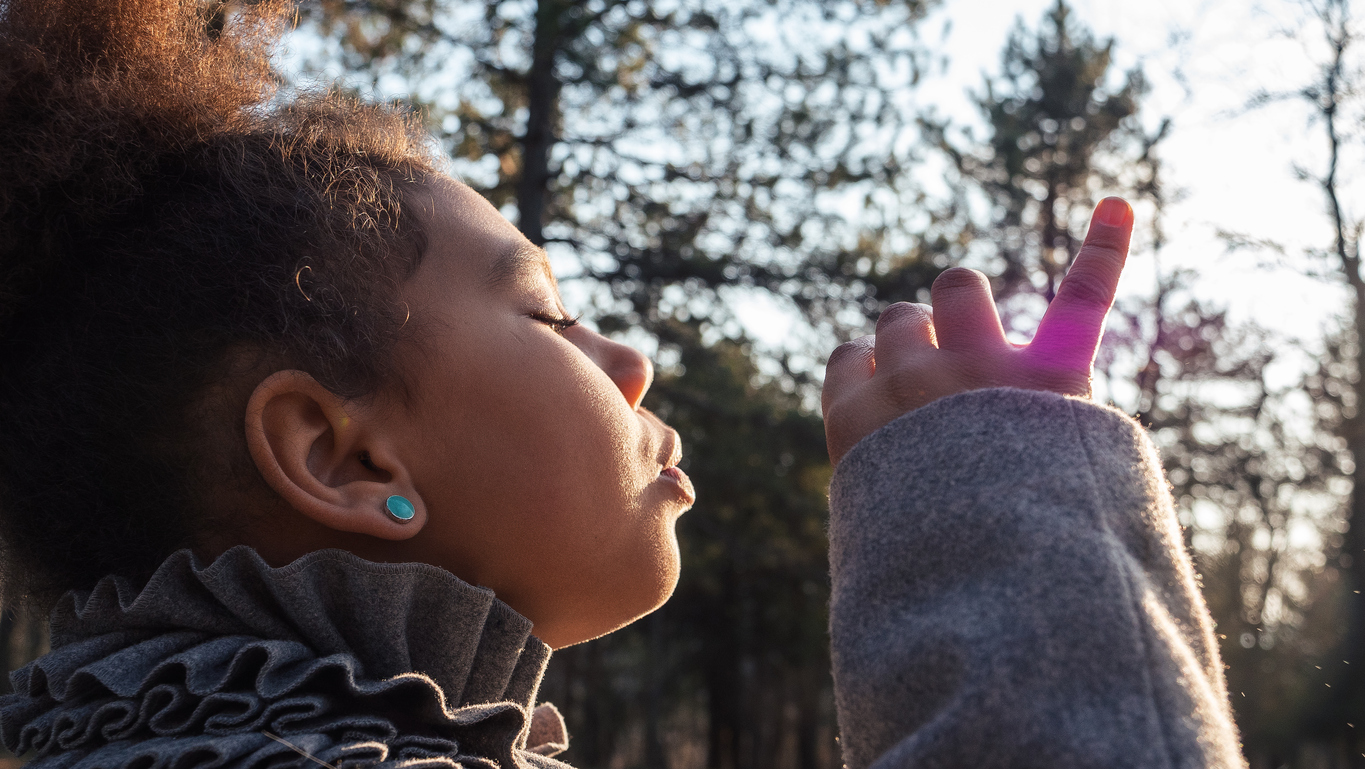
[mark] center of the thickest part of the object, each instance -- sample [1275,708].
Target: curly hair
[163,208]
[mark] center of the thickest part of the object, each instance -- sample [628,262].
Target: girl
[301,444]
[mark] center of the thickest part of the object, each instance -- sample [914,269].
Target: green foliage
[1253,464]
[1260,464]
[676,150]
[1273,465]
[1253,467]
[1061,134]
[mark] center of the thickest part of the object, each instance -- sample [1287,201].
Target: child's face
[541,476]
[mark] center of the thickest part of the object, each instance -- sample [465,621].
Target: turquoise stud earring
[400,508]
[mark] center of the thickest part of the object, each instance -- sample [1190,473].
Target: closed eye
[557,322]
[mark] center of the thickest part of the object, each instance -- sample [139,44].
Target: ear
[328,457]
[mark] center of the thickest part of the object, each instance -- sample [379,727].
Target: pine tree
[1061,133]
[673,149]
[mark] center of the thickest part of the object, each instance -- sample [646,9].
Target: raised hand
[920,354]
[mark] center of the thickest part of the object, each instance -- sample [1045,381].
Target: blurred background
[736,187]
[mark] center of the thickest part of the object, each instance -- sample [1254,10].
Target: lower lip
[683,483]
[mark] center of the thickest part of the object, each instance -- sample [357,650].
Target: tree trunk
[1349,705]
[808,720]
[724,688]
[1047,213]
[598,727]
[655,755]
[7,646]
[542,107]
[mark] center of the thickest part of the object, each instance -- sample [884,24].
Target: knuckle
[1086,289]
[906,382]
[906,390]
[898,308]
[1112,240]
[829,409]
[955,278]
[902,312]
[961,374]
[836,415]
[1106,255]
[848,350]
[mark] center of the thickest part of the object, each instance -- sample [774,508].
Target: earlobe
[329,458]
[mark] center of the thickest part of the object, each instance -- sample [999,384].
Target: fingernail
[1114,212]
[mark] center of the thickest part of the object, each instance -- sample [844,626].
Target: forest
[691,165]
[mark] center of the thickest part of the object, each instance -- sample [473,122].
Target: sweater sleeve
[1010,589]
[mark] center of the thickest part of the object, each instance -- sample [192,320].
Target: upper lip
[670,453]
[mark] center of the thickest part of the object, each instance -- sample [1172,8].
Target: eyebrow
[519,260]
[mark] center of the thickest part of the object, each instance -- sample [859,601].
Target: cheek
[579,425]
[537,427]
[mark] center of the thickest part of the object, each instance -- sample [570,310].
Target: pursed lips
[670,454]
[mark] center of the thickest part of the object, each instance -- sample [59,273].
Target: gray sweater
[1010,590]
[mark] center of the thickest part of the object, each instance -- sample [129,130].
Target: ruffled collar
[393,618]
[356,636]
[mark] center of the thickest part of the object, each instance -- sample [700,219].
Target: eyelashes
[559,323]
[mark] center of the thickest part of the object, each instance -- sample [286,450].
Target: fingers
[851,364]
[964,311]
[903,327]
[1070,331]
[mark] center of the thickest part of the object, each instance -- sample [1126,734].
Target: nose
[626,366]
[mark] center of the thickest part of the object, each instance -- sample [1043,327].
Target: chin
[667,569]
[632,597]
[664,585]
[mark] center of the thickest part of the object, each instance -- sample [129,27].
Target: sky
[1233,167]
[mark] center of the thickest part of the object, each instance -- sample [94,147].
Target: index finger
[1070,331]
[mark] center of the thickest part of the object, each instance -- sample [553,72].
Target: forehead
[473,244]
[521,260]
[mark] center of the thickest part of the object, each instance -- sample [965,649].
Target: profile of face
[517,435]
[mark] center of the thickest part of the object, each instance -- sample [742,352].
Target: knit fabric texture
[1011,589]
[239,664]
